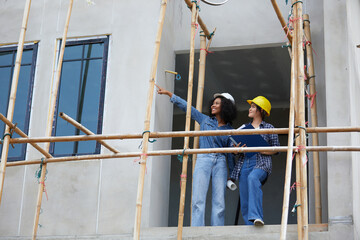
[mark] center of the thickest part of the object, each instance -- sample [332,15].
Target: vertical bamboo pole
[298,45]
[298,202]
[314,120]
[289,160]
[194,11]
[200,90]
[12,97]
[145,140]
[50,118]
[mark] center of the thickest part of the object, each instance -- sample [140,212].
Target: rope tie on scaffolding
[149,140]
[180,157]
[38,176]
[197,4]
[308,43]
[138,160]
[196,28]
[297,150]
[311,97]
[182,177]
[207,51]
[293,211]
[12,129]
[296,3]
[293,187]
[286,46]
[303,128]
[211,34]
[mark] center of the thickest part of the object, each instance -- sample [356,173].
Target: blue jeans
[250,183]
[214,166]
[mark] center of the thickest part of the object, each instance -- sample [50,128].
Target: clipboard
[249,140]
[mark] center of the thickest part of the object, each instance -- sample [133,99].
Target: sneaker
[258,222]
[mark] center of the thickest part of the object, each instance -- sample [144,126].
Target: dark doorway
[245,74]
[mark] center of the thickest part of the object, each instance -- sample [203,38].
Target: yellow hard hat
[263,103]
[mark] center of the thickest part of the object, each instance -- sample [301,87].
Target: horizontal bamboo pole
[86,131]
[181,134]
[22,134]
[188,152]
[200,21]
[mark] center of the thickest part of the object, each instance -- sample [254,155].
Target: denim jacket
[208,123]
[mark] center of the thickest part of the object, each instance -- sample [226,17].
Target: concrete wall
[93,197]
[341,103]
[353,9]
[240,24]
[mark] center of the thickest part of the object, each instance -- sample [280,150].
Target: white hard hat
[225,95]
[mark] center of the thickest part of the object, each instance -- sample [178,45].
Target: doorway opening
[245,74]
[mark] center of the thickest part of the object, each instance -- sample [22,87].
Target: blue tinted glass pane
[27,56]
[5,79]
[94,50]
[21,107]
[73,52]
[5,74]
[22,97]
[68,101]
[6,58]
[89,100]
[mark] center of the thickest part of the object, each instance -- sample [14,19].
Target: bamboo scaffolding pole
[146,132]
[289,159]
[22,134]
[199,96]
[200,91]
[12,97]
[195,12]
[86,131]
[314,119]
[282,20]
[298,45]
[180,134]
[298,204]
[180,151]
[200,21]
[210,41]
[301,157]
[50,118]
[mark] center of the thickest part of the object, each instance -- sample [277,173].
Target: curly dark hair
[228,110]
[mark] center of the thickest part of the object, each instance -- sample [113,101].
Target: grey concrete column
[338,114]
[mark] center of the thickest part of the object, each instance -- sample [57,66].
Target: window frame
[105,41]
[34,46]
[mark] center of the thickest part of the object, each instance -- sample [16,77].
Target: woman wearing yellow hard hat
[254,170]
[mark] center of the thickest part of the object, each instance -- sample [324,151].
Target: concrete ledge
[267,232]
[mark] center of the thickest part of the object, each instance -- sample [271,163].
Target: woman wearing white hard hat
[253,171]
[222,112]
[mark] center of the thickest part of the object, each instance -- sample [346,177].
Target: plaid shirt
[262,161]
